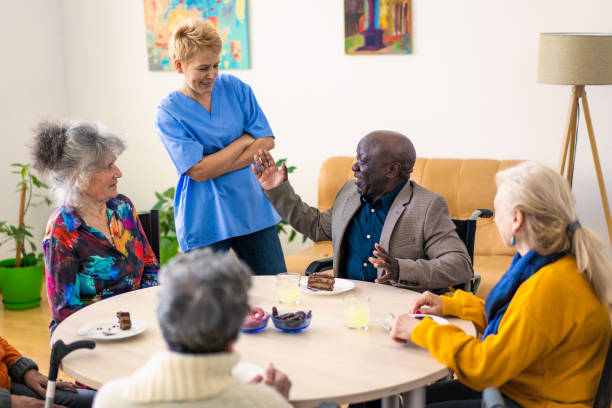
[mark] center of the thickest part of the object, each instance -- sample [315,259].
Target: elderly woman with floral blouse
[94,244]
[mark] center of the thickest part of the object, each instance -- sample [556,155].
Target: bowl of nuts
[291,322]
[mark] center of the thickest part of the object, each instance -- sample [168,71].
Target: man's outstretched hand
[267,173]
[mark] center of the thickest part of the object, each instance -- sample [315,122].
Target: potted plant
[168,243]
[21,278]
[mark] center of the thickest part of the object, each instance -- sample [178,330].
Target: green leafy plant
[168,242]
[282,226]
[165,205]
[28,187]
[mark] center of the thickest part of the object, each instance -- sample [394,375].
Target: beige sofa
[466,184]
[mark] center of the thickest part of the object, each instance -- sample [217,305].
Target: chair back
[466,229]
[604,391]
[150,224]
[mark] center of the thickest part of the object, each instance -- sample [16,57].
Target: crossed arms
[236,155]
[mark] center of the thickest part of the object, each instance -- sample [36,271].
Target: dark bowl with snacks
[291,322]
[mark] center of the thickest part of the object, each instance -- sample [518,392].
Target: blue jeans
[454,394]
[81,399]
[260,250]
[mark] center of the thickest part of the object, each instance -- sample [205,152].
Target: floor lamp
[577,59]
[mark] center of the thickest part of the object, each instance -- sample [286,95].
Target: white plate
[437,319]
[95,330]
[245,372]
[387,322]
[340,285]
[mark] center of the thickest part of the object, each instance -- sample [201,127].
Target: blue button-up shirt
[362,233]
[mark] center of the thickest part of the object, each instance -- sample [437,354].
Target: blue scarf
[521,269]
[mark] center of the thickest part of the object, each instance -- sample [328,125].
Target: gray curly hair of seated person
[67,153]
[203,301]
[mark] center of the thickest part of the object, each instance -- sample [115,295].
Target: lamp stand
[568,149]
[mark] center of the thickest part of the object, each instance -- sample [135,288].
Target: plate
[437,319]
[245,371]
[387,322]
[340,286]
[95,330]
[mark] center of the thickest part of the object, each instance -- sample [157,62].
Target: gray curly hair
[68,153]
[203,301]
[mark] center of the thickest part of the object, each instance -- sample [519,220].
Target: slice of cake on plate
[321,281]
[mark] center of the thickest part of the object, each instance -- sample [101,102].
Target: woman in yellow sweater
[545,325]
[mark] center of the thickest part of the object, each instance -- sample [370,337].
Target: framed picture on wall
[377,27]
[228,16]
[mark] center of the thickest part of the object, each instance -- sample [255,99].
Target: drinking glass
[288,285]
[357,311]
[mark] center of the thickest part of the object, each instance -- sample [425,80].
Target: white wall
[469,89]
[31,87]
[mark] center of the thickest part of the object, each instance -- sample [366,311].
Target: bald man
[383,226]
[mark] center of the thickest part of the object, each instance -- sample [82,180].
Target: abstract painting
[228,16]
[377,27]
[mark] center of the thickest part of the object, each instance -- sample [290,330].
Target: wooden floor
[28,332]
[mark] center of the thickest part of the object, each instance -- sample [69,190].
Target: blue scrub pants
[260,250]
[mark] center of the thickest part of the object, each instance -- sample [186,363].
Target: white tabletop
[326,361]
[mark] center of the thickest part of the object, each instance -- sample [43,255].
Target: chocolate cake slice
[125,323]
[321,281]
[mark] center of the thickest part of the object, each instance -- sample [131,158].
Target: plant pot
[168,247]
[21,286]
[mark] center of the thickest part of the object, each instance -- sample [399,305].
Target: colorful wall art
[229,16]
[377,27]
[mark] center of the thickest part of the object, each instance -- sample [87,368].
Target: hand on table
[267,172]
[387,263]
[434,303]
[38,382]
[402,328]
[21,401]
[275,379]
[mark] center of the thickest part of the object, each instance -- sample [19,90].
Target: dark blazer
[418,232]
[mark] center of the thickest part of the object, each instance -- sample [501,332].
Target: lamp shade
[575,59]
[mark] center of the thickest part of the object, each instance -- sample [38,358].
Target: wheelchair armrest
[492,398]
[481,213]
[471,285]
[320,265]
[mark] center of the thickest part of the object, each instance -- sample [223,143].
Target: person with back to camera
[545,325]
[201,307]
[211,127]
[94,244]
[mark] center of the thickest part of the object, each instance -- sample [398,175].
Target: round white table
[325,362]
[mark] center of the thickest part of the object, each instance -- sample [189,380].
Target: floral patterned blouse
[82,266]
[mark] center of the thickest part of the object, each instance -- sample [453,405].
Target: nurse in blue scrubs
[211,127]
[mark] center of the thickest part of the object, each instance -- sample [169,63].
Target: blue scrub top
[232,204]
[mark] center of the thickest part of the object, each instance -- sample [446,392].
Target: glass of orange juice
[357,311]
[288,286]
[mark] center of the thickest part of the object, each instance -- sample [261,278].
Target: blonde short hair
[191,36]
[545,199]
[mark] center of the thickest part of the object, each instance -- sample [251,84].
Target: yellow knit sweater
[549,350]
